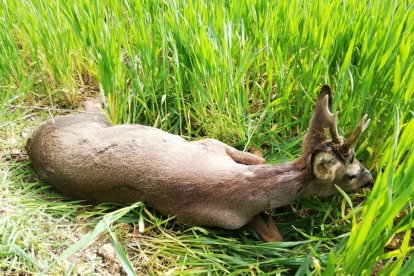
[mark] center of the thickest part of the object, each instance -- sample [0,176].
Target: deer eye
[350,177]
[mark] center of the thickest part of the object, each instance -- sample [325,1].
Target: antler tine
[361,127]
[331,120]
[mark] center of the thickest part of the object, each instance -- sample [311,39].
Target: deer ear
[317,130]
[325,91]
[325,166]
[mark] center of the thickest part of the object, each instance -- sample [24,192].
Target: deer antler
[331,120]
[323,120]
[361,127]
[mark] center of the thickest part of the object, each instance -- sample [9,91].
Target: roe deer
[201,183]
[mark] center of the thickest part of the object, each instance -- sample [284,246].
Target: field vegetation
[245,72]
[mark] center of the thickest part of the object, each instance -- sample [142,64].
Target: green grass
[245,72]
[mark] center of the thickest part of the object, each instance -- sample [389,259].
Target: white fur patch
[325,166]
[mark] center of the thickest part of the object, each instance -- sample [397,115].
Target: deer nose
[368,176]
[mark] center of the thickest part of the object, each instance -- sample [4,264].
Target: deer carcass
[203,182]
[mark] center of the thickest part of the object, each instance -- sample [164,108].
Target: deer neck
[277,185]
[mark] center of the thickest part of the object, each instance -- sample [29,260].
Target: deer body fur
[201,183]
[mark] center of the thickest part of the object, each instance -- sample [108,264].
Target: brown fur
[203,183]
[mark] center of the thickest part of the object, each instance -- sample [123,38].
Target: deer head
[332,161]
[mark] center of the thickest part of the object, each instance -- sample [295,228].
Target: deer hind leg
[266,230]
